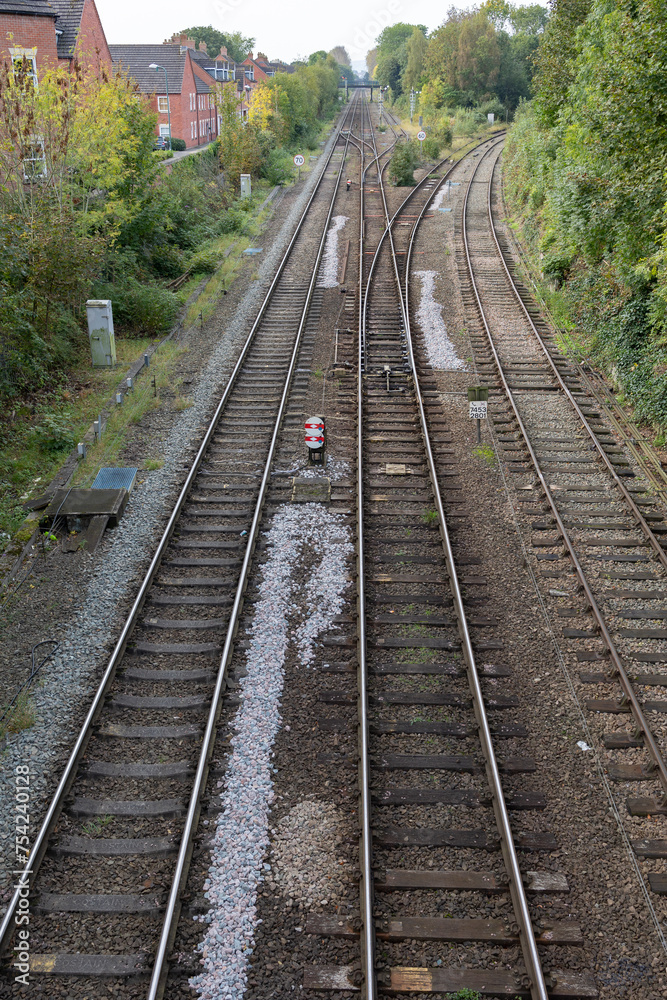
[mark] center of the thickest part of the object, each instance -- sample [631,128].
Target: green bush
[140,309]
[444,135]
[206,260]
[403,163]
[167,260]
[277,167]
[467,122]
[234,220]
[431,148]
[178,145]
[54,432]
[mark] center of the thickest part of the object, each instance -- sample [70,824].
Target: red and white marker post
[316,439]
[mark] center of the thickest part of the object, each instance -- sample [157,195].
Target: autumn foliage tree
[67,187]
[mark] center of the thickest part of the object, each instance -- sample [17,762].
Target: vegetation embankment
[88,213]
[586,180]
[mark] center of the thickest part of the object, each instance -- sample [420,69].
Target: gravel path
[67,682]
[329,266]
[241,839]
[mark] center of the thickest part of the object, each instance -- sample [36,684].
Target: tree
[530,20]
[464,53]
[392,54]
[556,59]
[239,147]
[339,53]
[417,46]
[371,61]
[403,163]
[316,57]
[388,72]
[395,36]
[67,189]
[237,45]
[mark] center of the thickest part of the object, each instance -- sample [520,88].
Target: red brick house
[191,103]
[51,33]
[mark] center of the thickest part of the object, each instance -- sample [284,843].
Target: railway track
[129,800]
[426,707]
[599,517]
[428,726]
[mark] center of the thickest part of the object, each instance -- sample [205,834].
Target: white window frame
[164,131]
[163,105]
[18,55]
[34,166]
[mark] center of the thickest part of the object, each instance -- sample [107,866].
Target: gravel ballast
[329,267]
[441,351]
[241,839]
[68,681]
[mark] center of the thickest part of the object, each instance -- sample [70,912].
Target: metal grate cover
[115,479]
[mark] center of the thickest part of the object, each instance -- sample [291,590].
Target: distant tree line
[475,56]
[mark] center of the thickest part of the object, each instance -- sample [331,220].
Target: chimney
[222,54]
[203,47]
[250,56]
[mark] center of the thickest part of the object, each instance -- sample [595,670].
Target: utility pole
[156,67]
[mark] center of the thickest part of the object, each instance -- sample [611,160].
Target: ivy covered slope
[586,173]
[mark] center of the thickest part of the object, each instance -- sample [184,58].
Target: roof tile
[136,59]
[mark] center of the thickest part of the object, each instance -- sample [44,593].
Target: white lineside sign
[477,409]
[315,432]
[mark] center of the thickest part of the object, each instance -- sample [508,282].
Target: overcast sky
[283,31]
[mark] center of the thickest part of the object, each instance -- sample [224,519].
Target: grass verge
[144,397]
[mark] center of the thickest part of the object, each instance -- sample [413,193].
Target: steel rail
[529,950]
[38,849]
[618,668]
[413,192]
[366,840]
[387,232]
[172,909]
[366,852]
[639,517]
[593,380]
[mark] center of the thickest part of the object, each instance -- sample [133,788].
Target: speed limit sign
[299,160]
[421,136]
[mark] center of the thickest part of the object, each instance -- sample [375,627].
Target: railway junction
[384,713]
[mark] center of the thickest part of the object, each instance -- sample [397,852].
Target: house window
[34,164]
[164,131]
[24,65]
[163,105]
[191,96]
